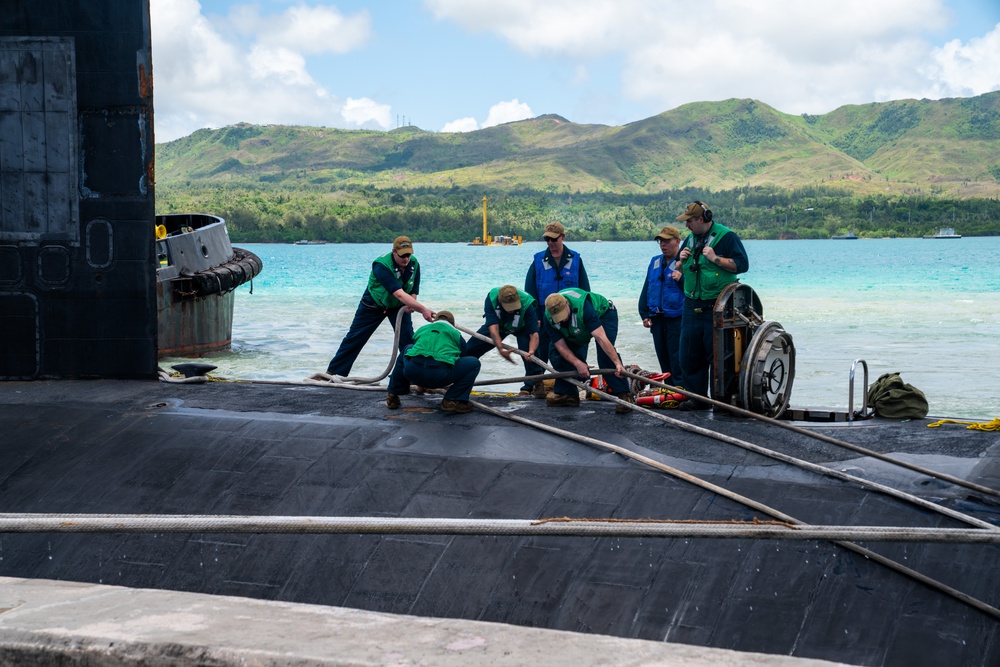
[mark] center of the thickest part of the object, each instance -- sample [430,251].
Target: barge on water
[198,271]
[944,233]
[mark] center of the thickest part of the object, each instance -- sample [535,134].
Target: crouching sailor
[572,318]
[435,360]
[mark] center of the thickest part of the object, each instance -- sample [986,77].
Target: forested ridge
[895,169]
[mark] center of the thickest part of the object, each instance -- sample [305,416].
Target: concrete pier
[69,624]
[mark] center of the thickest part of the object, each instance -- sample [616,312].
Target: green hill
[903,168]
[945,148]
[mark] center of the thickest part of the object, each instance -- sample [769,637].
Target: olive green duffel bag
[892,398]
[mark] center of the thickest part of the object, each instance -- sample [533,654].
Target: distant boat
[945,233]
[849,236]
[305,242]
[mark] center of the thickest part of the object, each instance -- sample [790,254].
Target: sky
[462,65]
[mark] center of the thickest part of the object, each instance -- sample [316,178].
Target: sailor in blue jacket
[661,304]
[552,270]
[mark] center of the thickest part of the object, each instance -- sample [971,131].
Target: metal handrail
[864,394]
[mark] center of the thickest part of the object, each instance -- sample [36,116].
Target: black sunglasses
[549,239]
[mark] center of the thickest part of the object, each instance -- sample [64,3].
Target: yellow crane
[500,240]
[486,238]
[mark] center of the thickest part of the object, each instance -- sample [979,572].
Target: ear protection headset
[707,210]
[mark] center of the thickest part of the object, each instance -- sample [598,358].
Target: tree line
[265,213]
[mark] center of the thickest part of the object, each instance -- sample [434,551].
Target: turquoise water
[929,309]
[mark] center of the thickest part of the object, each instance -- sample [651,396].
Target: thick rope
[771,453]
[350,380]
[893,565]
[828,439]
[806,465]
[560,526]
[540,378]
[886,562]
[753,504]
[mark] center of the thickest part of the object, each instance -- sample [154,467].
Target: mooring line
[770,453]
[557,526]
[867,553]
[749,502]
[828,439]
[886,562]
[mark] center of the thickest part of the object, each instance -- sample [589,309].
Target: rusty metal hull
[193,328]
[195,282]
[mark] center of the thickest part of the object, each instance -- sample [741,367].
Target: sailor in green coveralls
[508,310]
[573,317]
[434,361]
[393,284]
[711,257]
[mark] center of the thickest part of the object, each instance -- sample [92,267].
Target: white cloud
[499,113]
[207,78]
[507,112]
[461,125]
[315,30]
[366,113]
[967,69]
[796,56]
[585,27]
[282,64]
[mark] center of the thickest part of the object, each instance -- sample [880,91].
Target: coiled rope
[992,425]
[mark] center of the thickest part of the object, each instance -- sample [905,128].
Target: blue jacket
[664,295]
[550,279]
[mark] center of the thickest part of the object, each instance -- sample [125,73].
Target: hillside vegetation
[899,168]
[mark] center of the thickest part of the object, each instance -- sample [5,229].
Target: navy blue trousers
[616,385]
[696,346]
[667,343]
[367,319]
[530,367]
[475,347]
[434,374]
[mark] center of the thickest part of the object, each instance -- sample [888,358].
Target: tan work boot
[624,409]
[392,401]
[563,400]
[457,407]
[538,391]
